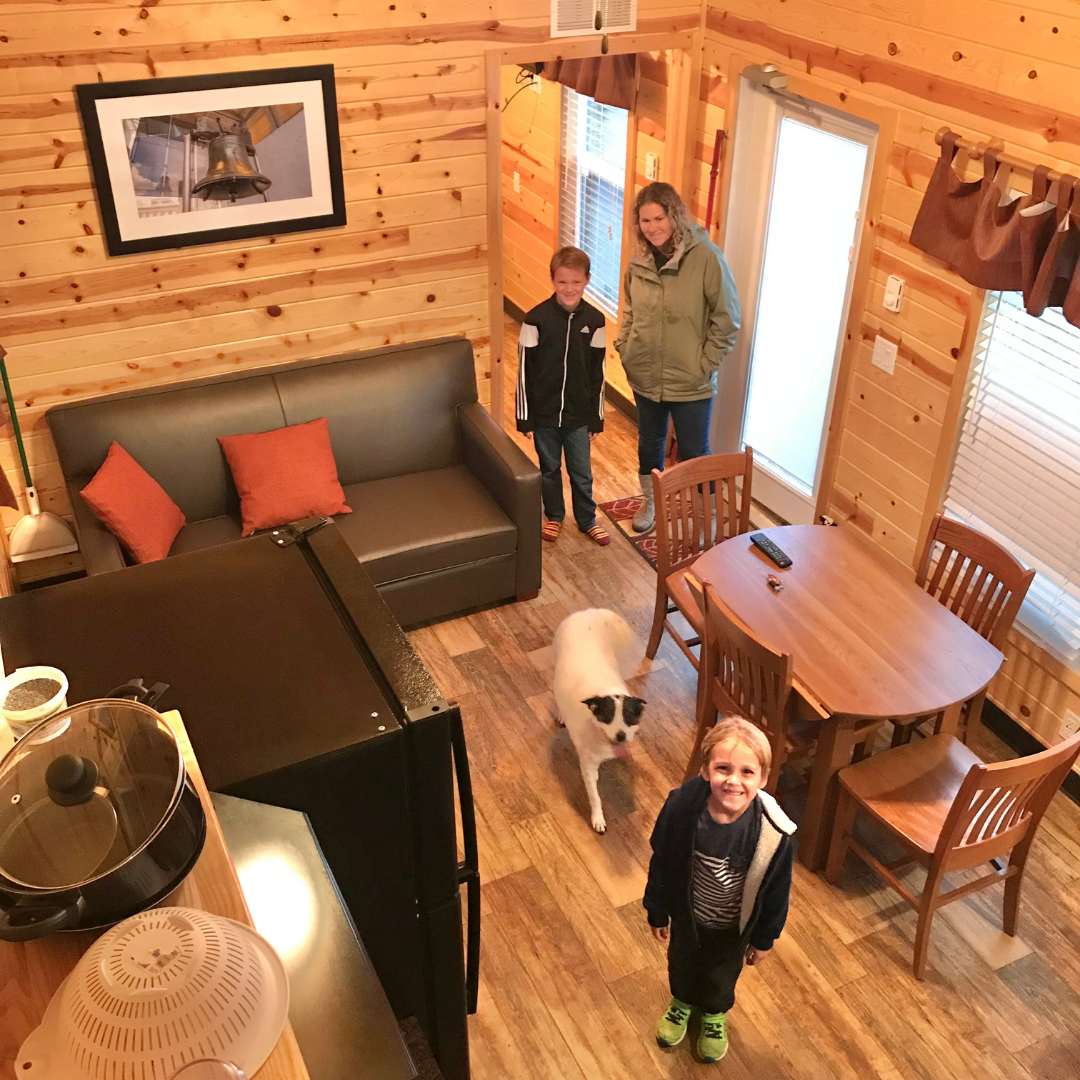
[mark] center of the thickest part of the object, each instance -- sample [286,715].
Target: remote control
[771,550]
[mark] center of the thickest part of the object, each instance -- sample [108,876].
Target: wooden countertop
[31,972]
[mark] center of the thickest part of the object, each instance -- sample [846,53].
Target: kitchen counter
[31,972]
[343,1022]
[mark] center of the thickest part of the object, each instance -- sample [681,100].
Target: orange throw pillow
[133,506]
[285,475]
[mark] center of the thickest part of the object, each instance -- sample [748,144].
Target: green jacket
[680,323]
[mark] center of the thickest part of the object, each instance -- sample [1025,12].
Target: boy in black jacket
[560,391]
[720,875]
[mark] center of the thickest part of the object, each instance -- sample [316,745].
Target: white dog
[595,653]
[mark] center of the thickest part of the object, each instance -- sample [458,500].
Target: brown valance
[610,80]
[1028,244]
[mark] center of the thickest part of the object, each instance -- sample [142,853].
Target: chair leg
[1010,913]
[707,713]
[658,621]
[843,823]
[779,754]
[927,906]
[974,719]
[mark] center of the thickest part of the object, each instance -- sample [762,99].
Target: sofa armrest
[512,480]
[100,549]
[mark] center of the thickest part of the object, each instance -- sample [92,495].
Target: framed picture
[208,158]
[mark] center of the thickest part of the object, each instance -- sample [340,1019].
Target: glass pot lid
[84,791]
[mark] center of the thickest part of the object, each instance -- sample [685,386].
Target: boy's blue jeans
[704,973]
[691,419]
[551,445]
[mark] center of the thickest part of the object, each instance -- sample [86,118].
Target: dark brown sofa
[446,508]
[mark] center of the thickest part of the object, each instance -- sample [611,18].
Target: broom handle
[14,419]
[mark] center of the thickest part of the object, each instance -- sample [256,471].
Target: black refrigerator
[298,688]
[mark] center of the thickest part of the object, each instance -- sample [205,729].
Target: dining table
[867,645]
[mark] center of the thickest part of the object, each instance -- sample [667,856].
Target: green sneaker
[671,1027]
[712,1043]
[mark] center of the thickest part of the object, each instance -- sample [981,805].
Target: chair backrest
[743,674]
[998,805]
[698,504]
[974,577]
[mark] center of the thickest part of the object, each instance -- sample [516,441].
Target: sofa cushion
[391,411]
[210,532]
[133,506]
[424,521]
[285,475]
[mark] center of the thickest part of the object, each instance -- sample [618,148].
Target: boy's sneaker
[671,1027]
[712,1043]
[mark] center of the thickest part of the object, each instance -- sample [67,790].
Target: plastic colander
[162,989]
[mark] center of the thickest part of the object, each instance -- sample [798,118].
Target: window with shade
[592,180]
[1016,476]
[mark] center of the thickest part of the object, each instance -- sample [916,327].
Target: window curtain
[1028,244]
[610,80]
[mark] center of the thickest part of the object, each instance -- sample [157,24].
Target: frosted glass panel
[817,188]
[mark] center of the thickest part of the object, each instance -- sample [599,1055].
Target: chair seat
[911,788]
[680,592]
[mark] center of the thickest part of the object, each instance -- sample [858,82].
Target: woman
[680,318]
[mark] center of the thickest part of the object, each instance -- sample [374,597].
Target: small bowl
[22,721]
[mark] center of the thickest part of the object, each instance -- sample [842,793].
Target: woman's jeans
[551,444]
[691,419]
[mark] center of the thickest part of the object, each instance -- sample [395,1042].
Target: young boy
[720,875]
[560,391]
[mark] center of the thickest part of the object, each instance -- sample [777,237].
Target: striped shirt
[722,857]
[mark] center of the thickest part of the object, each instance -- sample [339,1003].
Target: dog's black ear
[603,708]
[631,710]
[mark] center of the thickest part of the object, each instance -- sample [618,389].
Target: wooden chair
[952,812]
[698,504]
[979,582]
[741,674]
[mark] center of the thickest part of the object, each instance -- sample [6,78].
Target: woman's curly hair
[665,196]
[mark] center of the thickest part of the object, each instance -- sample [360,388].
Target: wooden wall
[987,69]
[531,135]
[411,263]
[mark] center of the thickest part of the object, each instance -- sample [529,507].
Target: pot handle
[59,917]
[137,690]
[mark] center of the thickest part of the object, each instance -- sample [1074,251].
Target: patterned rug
[620,512]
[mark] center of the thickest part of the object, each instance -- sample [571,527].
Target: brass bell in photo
[230,174]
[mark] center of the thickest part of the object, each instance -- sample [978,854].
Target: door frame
[887,120]
[686,47]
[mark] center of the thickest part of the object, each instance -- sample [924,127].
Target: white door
[799,184]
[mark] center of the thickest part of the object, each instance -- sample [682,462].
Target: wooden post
[493,85]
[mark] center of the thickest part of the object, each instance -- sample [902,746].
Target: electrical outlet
[1070,724]
[517,181]
[884,354]
[534,83]
[652,166]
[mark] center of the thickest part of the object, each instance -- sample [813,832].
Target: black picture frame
[142,211]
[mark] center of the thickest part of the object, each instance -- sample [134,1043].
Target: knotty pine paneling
[987,69]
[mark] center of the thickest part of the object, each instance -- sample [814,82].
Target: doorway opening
[800,182]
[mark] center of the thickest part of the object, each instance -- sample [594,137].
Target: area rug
[620,513]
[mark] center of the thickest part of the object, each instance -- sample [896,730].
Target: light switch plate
[884,354]
[894,292]
[652,166]
[1070,724]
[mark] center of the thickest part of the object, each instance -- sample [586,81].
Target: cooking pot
[98,819]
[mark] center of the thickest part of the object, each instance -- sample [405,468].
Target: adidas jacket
[768,881]
[561,367]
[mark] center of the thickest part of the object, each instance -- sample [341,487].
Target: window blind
[1016,475]
[591,190]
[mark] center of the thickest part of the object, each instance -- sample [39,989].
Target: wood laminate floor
[571,980]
